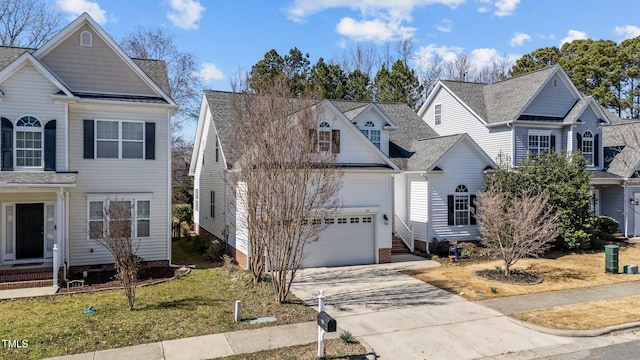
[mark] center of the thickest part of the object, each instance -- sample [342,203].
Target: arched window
[587,147]
[86,39]
[460,204]
[371,133]
[324,136]
[28,142]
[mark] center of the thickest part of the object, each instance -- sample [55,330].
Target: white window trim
[467,197]
[120,140]
[133,198]
[538,133]
[16,130]
[89,37]
[368,131]
[324,129]
[437,114]
[591,153]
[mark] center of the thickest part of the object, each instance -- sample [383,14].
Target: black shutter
[150,141]
[7,145]
[472,205]
[88,139]
[553,143]
[50,146]
[579,143]
[313,137]
[450,215]
[596,150]
[335,141]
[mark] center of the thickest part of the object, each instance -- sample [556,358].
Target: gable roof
[27,58]
[151,72]
[625,162]
[502,101]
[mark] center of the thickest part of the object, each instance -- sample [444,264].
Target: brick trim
[240,257]
[384,255]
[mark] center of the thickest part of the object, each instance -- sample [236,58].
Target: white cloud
[209,71]
[483,57]
[483,9]
[573,35]
[506,7]
[372,30]
[426,54]
[627,32]
[445,25]
[76,8]
[519,38]
[185,14]
[380,20]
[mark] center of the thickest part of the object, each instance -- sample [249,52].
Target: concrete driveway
[400,317]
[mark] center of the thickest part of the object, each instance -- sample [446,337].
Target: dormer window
[86,39]
[324,136]
[372,133]
[587,147]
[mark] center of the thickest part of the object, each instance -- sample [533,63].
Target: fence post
[320,330]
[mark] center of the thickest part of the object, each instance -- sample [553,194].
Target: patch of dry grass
[334,349]
[602,313]
[559,273]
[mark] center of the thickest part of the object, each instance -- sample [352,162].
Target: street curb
[576,333]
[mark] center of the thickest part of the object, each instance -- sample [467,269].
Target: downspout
[66,233]
[626,209]
[169,187]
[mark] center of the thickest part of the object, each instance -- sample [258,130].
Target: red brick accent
[157,263]
[384,255]
[420,245]
[25,284]
[240,257]
[208,236]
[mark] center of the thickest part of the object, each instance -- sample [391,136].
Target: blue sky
[229,36]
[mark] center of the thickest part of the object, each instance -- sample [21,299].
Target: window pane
[131,131]
[95,229]
[107,149]
[96,210]
[143,228]
[131,150]
[144,209]
[107,130]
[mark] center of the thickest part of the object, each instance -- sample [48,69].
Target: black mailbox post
[326,322]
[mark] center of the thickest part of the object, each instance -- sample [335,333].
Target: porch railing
[404,232]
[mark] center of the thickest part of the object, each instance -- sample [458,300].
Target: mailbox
[326,322]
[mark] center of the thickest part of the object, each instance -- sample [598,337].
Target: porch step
[26,274]
[25,284]
[398,246]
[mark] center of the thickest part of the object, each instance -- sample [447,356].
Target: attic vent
[86,39]
[555,83]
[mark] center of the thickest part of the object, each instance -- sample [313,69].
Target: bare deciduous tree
[285,187]
[182,68]
[460,69]
[117,238]
[27,23]
[514,227]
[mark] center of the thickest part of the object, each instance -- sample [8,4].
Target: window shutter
[313,136]
[450,210]
[579,143]
[472,204]
[335,141]
[88,139]
[596,150]
[553,143]
[50,146]
[7,145]
[150,140]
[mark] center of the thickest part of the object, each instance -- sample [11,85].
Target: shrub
[182,212]
[347,337]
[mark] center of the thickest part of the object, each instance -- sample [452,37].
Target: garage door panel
[349,240]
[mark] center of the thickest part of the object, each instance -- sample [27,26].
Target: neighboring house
[82,124]
[531,114]
[361,231]
[622,158]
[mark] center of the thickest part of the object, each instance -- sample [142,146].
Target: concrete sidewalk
[29,292]
[214,345]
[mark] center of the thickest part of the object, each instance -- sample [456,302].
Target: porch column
[59,216]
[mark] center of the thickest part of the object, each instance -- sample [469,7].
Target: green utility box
[611,259]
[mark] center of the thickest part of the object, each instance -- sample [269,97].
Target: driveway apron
[398,316]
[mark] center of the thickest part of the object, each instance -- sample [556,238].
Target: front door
[29,231]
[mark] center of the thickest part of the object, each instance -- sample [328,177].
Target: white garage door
[347,240]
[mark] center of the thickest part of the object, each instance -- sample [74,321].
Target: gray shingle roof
[429,151]
[38,178]
[9,54]
[625,162]
[504,100]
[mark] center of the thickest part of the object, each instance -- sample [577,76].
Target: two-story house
[399,177]
[82,125]
[531,114]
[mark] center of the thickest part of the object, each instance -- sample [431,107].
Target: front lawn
[334,349]
[197,304]
[558,273]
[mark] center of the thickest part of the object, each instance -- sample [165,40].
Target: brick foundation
[74,270]
[384,256]
[420,245]
[239,256]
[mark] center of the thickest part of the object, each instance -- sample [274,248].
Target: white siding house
[82,124]
[361,231]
